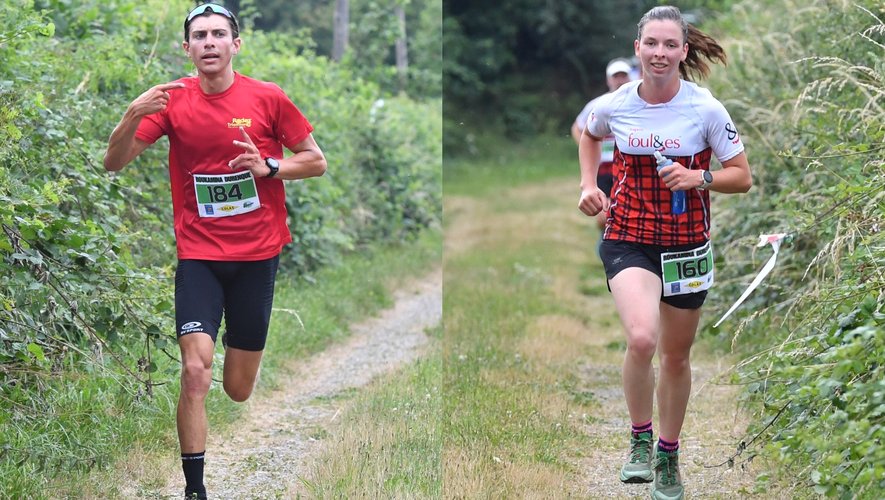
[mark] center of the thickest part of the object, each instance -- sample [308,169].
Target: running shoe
[638,466]
[668,481]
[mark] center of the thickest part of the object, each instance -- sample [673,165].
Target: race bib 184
[689,271]
[226,195]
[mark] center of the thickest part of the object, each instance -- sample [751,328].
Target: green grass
[476,397]
[509,165]
[511,418]
[86,420]
[490,318]
[389,441]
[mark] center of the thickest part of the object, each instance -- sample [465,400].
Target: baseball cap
[617,66]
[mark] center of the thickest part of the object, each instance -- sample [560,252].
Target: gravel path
[272,445]
[712,427]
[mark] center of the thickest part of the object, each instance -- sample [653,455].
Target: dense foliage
[806,85]
[372,34]
[524,67]
[86,256]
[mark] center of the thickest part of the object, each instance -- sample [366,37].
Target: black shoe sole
[636,480]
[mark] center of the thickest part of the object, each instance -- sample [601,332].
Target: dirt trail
[270,448]
[712,427]
[713,423]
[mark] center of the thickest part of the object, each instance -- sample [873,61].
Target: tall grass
[806,86]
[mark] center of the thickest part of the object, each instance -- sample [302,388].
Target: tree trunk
[402,51]
[342,25]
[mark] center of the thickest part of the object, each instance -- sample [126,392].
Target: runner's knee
[642,346]
[675,363]
[195,378]
[240,373]
[238,392]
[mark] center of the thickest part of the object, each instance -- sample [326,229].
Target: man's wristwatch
[708,179]
[273,164]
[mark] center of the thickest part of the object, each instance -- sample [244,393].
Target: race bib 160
[689,271]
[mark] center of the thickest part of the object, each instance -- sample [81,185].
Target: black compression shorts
[605,182]
[241,291]
[619,255]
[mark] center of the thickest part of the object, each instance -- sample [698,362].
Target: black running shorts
[241,291]
[619,255]
[605,182]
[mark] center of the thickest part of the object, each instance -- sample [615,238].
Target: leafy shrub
[384,154]
[806,85]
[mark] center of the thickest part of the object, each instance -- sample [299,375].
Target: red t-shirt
[201,129]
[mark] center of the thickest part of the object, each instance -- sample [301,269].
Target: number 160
[693,268]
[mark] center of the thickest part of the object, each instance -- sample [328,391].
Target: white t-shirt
[608,142]
[689,123]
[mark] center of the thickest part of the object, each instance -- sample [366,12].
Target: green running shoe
[668,481]
[638,467]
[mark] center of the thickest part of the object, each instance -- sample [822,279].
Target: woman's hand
[593,201]
[679,178]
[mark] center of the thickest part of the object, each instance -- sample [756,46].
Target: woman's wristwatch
[707,178]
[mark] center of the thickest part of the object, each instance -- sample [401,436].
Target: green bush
[806,85]
[384,153]
[67,241]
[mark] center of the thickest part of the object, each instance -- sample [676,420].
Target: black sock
[192,465]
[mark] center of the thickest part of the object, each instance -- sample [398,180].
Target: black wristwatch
[708,179]
[273,164]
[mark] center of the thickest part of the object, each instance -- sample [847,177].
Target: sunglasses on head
[209,7]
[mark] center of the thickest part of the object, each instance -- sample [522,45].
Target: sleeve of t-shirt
[291,127]
[722,134]
[581,120]
[600,115]
[152,127]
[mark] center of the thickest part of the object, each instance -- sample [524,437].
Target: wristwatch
[273,164]
[708,179]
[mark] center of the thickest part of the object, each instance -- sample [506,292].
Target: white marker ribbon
[775,241]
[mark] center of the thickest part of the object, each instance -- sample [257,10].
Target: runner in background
[659,261]
[617,73]
[226,167]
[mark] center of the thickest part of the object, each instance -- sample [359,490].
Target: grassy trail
[533,349]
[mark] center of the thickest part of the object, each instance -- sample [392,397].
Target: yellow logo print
[239,122]
[694,284]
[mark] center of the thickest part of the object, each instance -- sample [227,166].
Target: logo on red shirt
[239,122]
